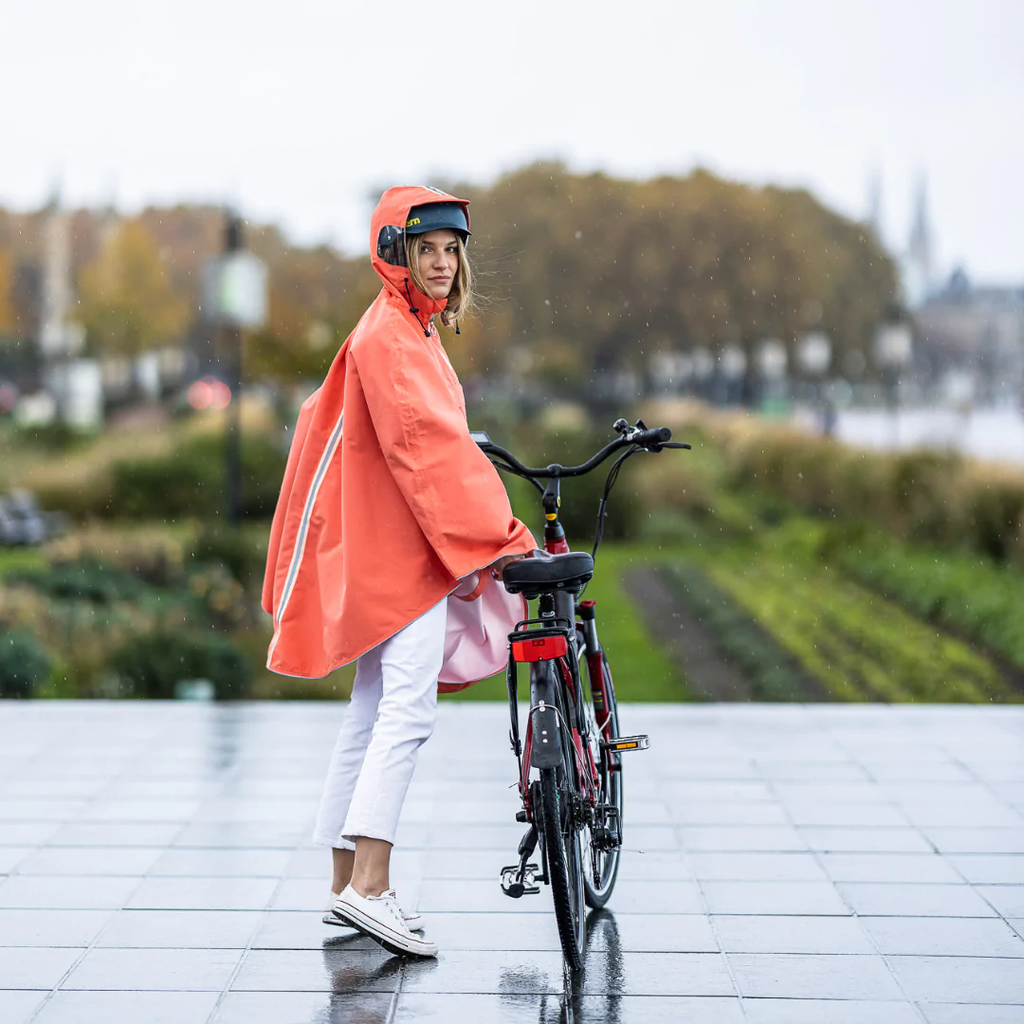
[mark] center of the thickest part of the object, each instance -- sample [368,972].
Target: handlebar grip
[656,435]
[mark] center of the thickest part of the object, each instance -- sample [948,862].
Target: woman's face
[437,258]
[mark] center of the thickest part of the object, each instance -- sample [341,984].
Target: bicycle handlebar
[653,439]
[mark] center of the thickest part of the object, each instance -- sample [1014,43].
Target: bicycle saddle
[543,572]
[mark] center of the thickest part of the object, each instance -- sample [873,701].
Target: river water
[992,434]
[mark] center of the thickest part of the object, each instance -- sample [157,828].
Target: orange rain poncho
[387,503]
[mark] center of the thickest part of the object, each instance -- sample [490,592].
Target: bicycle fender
[546,749]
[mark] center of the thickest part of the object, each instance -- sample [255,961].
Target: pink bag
[481,614]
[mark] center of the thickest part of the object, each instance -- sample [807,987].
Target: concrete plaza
[834,864]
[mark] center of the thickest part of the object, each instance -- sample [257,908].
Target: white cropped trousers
[391,714]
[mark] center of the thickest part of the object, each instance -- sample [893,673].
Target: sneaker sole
[353,917]
[331,918]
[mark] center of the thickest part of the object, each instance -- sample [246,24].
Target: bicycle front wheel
[602,843]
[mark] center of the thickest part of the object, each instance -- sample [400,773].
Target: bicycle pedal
[622,743]
[512,886]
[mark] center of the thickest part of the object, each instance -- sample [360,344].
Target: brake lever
[667,444]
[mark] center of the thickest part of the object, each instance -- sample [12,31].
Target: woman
[388,513]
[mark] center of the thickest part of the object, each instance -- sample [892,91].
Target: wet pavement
[784,864]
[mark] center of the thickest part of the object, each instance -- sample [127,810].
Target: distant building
[971,339]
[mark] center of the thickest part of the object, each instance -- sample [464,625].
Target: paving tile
[294,929]
[652,865]
[51,927]
[91,860]
[512,1009]
[18,1007]
[202,894]
[140,810]
[262,835]
[26,833]
[916,771]
[764,934]
[828,839]
[151,1007]
[106,833]
[70,893]
[872,899]
[942,813]
[808,790]
[962,1013]
[708,812]
[23,809]
[235,863]
[943,936]
[1005,868]
[322,970]
[35,967]
[12,856]
[1007,899]
[773,898]
[783,769]
[813,977]
[946,979]
[304,1008]
[757,867]
[155,970]
[856,815]
[828,1011]
[180,929]
[889,867]
[753,838]
[665,897]
[976,840]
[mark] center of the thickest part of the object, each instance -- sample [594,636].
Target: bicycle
[574,803]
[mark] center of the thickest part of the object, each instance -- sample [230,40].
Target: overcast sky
[295,110]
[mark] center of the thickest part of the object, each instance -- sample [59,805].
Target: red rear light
[543,649]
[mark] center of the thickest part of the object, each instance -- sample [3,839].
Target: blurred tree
[590,274]
[128,302]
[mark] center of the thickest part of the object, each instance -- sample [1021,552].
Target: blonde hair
[460,298]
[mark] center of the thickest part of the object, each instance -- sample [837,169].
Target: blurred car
[22,521]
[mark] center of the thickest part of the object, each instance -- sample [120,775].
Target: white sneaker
[380,917]
[413,920]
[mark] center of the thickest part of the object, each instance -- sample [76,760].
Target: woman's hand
[498,567]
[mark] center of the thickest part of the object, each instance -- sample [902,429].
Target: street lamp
[894,348]
[771,360]
[733,363]
[235,293]
[814,353]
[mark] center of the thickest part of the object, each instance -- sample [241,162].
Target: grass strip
[971,595]
[855,642]
[772,673]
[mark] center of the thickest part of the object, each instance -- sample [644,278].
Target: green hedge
[923,496]
[24,665]
[152,664]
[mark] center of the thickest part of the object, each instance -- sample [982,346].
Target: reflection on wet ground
[784,864]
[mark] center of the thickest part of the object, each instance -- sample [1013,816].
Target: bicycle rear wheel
[564,854]
[602,844]
[556,817]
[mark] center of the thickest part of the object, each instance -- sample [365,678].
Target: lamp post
[733,363]
[814,353]
[894,346]
[235,286]
[771,366]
